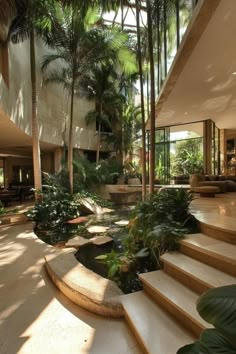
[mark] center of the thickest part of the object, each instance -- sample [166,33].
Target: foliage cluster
[54,208]
[56,205]
[132,170]
[2,209]
[217,307]
[88,173]
[188,158]
[156,226]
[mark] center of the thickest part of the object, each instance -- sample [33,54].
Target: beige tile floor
[219,211]
[35,318]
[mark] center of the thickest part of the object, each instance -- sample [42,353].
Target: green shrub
[156,226]
[87,173]
[55,207]
[2,209]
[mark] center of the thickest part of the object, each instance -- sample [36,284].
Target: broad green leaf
[213,342]
[218,307]
[191,349]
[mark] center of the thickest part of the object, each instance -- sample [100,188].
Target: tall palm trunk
[142,103]
[70,138]
[152,100]
[34,122]
[99,131]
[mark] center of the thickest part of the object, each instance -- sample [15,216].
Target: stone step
[194,274]
[156,331]
[217,253]
[176,298]
[219,227]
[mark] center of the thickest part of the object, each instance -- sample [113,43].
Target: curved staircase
[163,316]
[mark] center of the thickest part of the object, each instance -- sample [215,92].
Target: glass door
[1,173]
[162,156]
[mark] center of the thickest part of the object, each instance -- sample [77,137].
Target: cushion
[231,186]
[212,177]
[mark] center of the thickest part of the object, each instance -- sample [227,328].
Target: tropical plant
[131,127]
[104,81]
[55,208]
[217,307]
[33,17]
[188,157]
[102,87]
[155,227]
[2,209]
[88,174]
[140,64]
[159,223]
[76,46]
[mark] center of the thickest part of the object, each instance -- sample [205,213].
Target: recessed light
[234,73]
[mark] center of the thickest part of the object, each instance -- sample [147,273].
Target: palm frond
[50,58]
[60,77]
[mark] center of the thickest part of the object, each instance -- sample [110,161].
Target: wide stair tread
[197,270]
[156,330]
[178,299]
[209,250]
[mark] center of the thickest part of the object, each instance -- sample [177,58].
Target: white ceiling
[206,87]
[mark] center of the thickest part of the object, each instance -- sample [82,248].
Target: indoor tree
[78,45]
[140,65]
[108,83]
[33,18]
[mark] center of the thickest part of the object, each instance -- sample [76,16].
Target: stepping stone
[77,242]
[97,229]
[101,240]
[78,220]
[122,222]
[114,230]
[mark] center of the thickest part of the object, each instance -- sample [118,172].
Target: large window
[186,150]
[178,153]
[171,23]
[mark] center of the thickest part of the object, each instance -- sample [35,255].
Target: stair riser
[187,279]
[222,235]
[181,316]
[209,258]
[136,333]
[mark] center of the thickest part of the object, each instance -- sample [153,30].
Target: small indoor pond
[59,235]
[123,252]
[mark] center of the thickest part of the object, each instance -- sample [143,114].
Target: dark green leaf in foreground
[218,307]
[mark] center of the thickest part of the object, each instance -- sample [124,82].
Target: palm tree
[139,56]
[101,86]
[30,20]
[78,47]
[105,81]
[132,124]
[152,98]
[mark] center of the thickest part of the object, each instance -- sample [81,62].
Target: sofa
[224,183]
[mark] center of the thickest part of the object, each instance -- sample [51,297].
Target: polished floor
[36,318]
[219,211]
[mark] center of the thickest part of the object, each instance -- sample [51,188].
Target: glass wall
[1,173]
[215,150]
[172,19]
[178,153]
[186,151]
